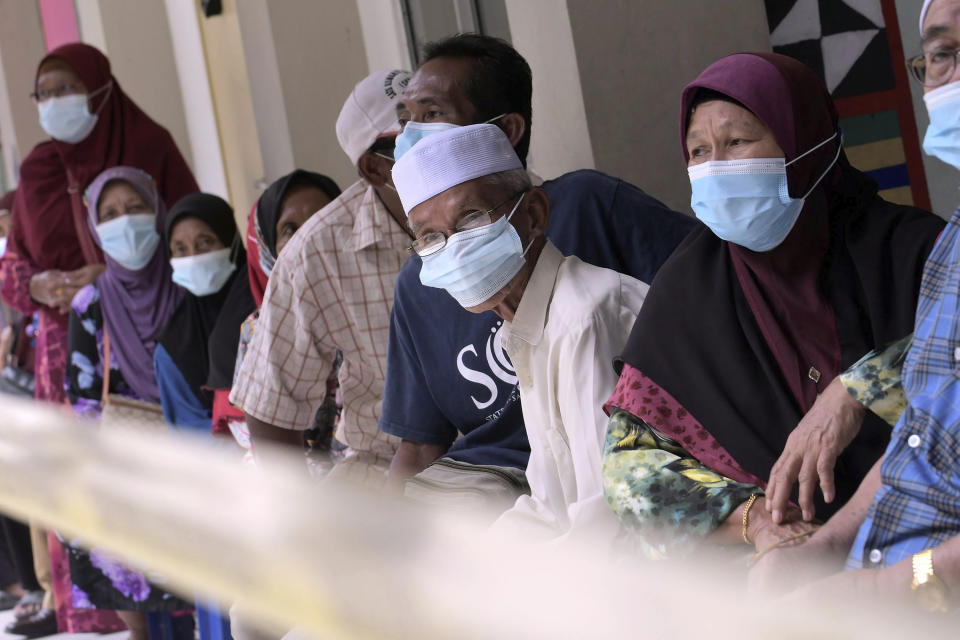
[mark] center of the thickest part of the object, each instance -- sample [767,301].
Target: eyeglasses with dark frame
[934,68]
[69,89]
[432,242]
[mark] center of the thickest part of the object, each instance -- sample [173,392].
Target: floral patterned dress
[99,581]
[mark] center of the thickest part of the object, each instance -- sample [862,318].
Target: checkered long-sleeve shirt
[331,288]
[918,504]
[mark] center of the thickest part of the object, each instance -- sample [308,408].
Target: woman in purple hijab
[119,316]
[130,302]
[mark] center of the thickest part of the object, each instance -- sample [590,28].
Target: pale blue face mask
[943,134]
[130,240]
[747,202]
[477,263]
[203,274]
[414,132]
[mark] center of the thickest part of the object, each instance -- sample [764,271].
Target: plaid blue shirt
[918,505]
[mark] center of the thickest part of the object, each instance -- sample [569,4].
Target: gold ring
[59,291]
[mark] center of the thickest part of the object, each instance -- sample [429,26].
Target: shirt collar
[531,315]
[373,223]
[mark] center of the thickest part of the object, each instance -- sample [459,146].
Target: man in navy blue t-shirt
[450,389]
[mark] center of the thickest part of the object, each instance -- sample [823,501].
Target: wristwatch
[928,589]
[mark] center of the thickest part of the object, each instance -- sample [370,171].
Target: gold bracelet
[746,515]
[779,544]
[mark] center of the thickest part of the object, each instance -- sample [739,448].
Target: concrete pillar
[135,35]
[634,58]
[22,46]
[303,58]
[560,139]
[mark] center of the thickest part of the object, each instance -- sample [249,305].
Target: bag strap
[105,393]
[91,252]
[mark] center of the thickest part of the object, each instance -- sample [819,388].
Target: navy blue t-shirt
[447,371]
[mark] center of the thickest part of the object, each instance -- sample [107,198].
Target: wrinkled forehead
[942,17]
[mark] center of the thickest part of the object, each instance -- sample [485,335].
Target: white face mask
[3,246]
[130,240]
[68,118]
[204,274]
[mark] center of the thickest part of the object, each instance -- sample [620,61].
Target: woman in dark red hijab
[50,253]
[733,344]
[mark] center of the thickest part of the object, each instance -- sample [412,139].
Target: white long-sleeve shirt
[572,320]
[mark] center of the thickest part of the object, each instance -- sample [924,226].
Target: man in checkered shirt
[332,289]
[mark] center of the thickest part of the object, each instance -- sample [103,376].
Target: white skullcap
[923,13]
[449,158]
[370,112]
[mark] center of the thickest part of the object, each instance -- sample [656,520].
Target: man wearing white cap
[902,527]
[451,394]
[332,289]
[479,228]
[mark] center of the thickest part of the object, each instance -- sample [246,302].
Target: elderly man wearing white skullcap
[902,527]
[479,228]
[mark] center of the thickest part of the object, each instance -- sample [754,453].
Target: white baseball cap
[448,158]
[370,112]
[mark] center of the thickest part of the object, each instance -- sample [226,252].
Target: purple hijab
[136,304]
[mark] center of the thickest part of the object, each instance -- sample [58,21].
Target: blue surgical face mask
[203,274]
[414,132]
[477,263]
[747,202]
[943,134]
[68,118]
[130,240]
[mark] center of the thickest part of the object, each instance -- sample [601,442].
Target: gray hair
[514,180]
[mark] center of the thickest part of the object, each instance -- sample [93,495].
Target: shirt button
[913,441]
[876,556]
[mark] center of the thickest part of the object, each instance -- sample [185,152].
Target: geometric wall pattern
[854,46]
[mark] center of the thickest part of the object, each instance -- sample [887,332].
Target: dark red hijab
[730,334]
[782,285]
[50,220]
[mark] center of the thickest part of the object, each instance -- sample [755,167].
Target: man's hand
[410,459]
[812,450]
[783,570]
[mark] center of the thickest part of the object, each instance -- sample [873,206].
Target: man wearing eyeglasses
[902,527]
[479,229]
[451,392]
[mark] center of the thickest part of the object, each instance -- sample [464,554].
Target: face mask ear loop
[811,150]
[829,166]
[109,89]
[495,118]
[512,211]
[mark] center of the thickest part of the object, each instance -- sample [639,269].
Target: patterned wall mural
[854,45]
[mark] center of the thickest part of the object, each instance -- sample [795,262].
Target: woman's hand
[812,450]
[56,288]
[764,532]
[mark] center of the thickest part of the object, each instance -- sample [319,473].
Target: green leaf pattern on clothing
[667,501]
[875,381]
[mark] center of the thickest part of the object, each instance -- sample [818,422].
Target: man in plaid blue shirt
[902,527]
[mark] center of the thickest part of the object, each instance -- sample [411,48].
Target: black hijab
[239,304]
[271,202]
[187,335]
[721,330]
